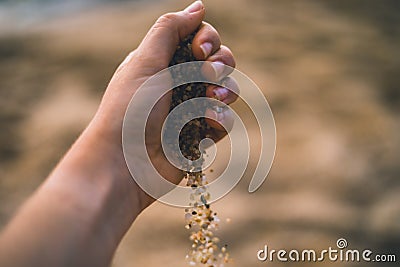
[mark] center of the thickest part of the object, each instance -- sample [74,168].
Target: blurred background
[329,69]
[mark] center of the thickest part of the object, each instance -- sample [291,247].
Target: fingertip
[160,42]
[221,93]
[206,48]
[214,71]
[234,91]
[206,42]
[194,15]
[194,7]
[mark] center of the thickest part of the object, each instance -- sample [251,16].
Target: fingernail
[221,93]
[206,48]
[218,69]
[194,7]
[219,113]
[219,116]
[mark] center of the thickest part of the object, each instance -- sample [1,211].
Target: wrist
[95,173]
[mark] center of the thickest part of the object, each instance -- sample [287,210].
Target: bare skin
[80,213]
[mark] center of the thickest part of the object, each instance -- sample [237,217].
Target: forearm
[79,215]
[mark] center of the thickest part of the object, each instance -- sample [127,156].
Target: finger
[224,55]
[160,43]
[219,65]
[227,94]
[206,42]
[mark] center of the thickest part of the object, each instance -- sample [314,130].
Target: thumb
[160,43]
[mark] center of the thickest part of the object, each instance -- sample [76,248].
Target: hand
[153,55]
[80,214]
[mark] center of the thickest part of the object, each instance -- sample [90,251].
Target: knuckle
[209,27]
[166,19]
[232,84]
[209,33]
[225,55]
[127,61]
[228,55]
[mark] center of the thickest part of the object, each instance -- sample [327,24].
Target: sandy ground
[330,71]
